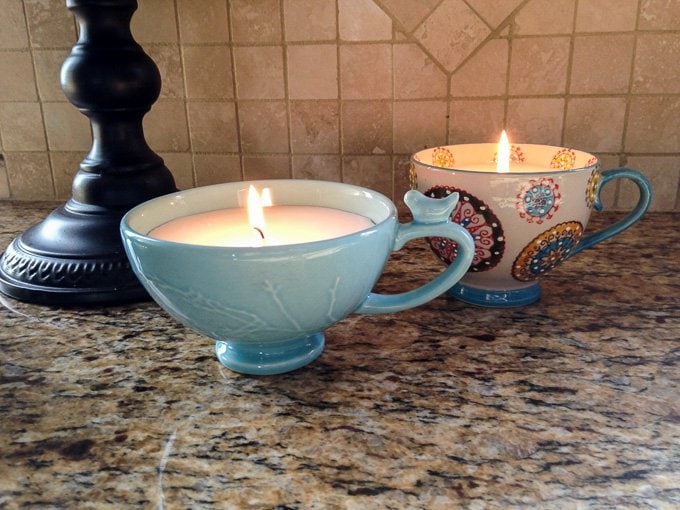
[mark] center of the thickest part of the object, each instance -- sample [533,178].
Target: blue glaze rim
[126,223]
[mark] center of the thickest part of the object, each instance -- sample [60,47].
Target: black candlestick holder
[75,256]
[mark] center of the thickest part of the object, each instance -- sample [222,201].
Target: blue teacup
[267,306]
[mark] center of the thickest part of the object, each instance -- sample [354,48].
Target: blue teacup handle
[640,208]
[431,218]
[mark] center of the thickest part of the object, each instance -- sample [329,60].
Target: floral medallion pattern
[547,250]
[563,160]
[412,176]
[480,221]
[538,200]
[592,187]
[516,155]
[441,156]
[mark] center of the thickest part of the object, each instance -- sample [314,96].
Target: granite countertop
[568,403]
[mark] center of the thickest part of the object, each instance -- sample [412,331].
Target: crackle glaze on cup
[267,306]
[524,222]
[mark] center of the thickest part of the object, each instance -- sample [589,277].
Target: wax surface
[284,224]
[515,168]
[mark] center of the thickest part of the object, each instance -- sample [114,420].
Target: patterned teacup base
[496,298]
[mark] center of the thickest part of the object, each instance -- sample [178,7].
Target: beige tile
[203,22]
[166,58]
[310,20]
[255,21]
[545,17]
[155,22]
[317,167]
[67,128]
[451,33]
[663,174]
[475,121]
[402,183]
[29,175]
[494,12]
[313,71]
[366,127]
[212,127]
[315,127]
[416,76]
[47,68]
[601,64]
[656,63]
[4,181]
[485,74]
[208,72]
[259,72]
[363,20]
[535,120]
[408,13]
[538,65]
[418,125]
[16,76]
[21,127]
[181,166]
[50,24]
[653,124]
[659,15]
[13,34]
[373,172]
[65,165]
[264,127]
[606,15]
[595,124]
[216,168]
[366,71]
[266,167]
[166,126]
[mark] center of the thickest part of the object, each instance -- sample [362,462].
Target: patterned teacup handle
[640,208]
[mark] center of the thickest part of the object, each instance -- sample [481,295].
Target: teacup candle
[526,206]
[266,285]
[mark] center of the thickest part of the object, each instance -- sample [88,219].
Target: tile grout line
[623,159]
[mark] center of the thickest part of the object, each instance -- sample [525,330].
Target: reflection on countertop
[568,403]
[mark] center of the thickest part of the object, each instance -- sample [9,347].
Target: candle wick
[259,232]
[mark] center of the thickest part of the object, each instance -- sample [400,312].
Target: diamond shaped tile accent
[451,33]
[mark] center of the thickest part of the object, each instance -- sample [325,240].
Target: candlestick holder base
[74,256]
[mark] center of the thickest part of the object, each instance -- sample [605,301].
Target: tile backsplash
[346,90]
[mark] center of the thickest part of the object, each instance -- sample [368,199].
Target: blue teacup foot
[269,358]
[496,298]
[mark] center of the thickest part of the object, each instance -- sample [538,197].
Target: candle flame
[255,211]
[503,160]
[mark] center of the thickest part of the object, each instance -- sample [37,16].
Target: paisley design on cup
[538,200]
[442,157]
[480,221]
[591,188]
[547,250]
[563,160]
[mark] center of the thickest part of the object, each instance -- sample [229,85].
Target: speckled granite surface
[572,402]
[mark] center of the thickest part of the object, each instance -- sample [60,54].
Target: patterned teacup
[524,222]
